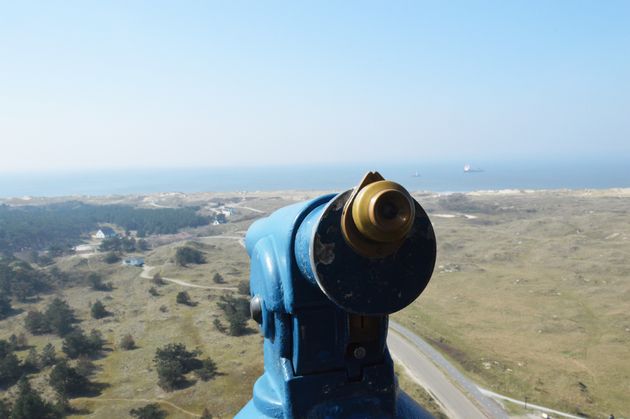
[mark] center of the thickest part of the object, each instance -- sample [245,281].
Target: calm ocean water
[438,177]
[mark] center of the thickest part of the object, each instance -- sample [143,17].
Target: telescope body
[322,301]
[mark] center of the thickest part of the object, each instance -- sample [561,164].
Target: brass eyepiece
[378,216]
[383,211]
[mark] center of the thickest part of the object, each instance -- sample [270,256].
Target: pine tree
[66,380]
[5,306]
[48,356]
[29,404]
[85,367]
[31,363]
[98,310]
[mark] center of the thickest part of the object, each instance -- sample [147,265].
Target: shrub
[208,370]
[97,284]
[236,310]
[77,343]
[184,298]
[217,323]
[217,278]
[150,411]
[98,310]
[127,343]
[186,255]
[158,280]
[172,362]
[66,381]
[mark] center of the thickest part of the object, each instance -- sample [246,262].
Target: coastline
[181,198]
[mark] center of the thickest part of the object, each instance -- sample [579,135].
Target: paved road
[451,399]
[459,397]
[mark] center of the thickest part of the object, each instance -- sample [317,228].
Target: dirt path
[146,275]
[240,239]
[166,402]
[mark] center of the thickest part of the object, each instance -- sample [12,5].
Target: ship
[469,169]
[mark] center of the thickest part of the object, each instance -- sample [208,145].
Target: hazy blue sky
[109,84]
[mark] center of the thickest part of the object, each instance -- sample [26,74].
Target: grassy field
[530,298]
[153,322]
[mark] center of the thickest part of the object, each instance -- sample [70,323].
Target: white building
[105,233]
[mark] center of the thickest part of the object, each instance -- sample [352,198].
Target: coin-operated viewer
[325,275]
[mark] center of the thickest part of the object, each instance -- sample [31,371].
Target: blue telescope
[325,275]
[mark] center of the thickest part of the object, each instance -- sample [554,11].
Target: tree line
[63,224]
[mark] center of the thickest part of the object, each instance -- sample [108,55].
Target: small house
[105,233]
[227,211]
[139,262]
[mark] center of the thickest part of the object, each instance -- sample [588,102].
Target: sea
[428,176]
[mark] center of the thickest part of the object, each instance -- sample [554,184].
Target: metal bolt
[255,309]
[359,352]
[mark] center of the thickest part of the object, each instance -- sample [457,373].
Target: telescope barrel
[371,250]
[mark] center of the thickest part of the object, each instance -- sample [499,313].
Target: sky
[121,84]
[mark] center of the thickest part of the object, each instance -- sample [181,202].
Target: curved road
[458,397]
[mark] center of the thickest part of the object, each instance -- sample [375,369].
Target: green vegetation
[58,318]
[5,306]
[207,371]
[127,343]
[158,280]
[172,362]
[184,298]
[97,284]
[117,245]
[187,255]
[29,404]
[236,309]
[48,356]
[77,343]
[66,381]
[10,368]
[150,411]
[63,224]
[21,280]
[111,257]
[98,310]
[217,278]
